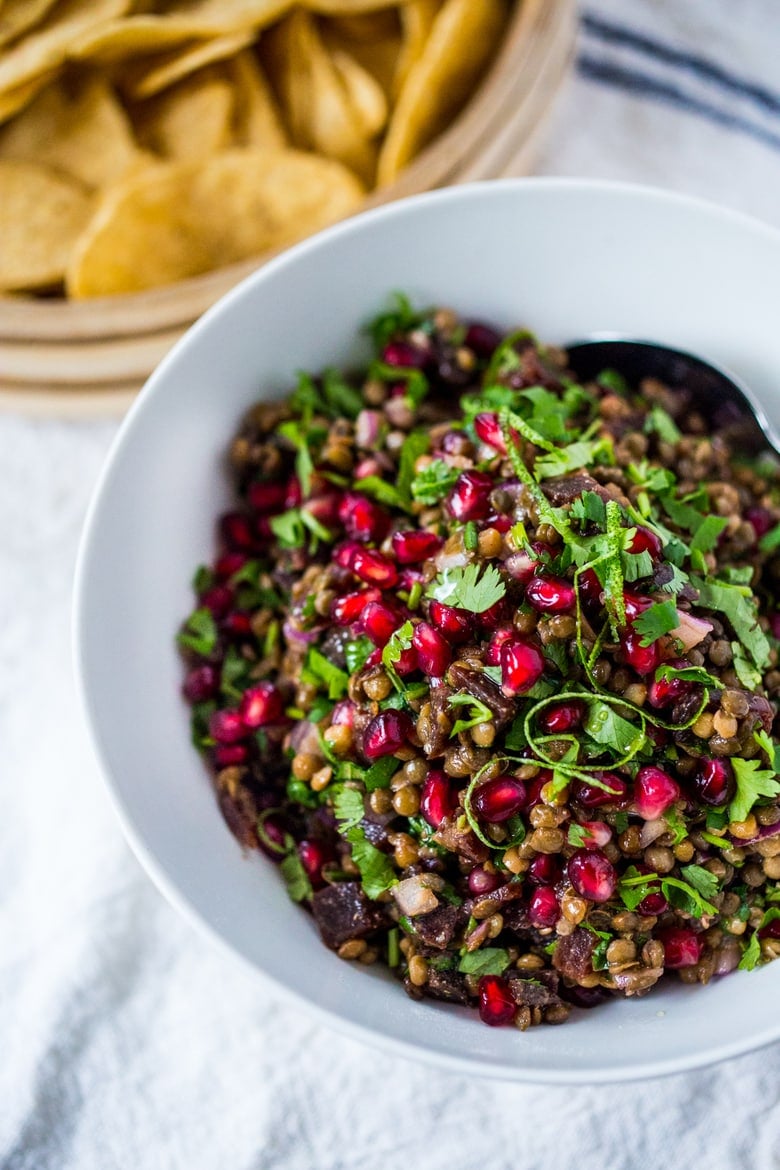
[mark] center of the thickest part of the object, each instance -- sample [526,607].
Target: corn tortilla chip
[190,120]
[346,7]
[77,126]
[41,215]
[378,57]
[46,47]
[417,17]
[256,116]
[145,79]
[179,219]
[17,16]
[364,93]
[379,25]
[463,37]
[14,100]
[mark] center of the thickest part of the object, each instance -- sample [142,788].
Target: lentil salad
[487,661]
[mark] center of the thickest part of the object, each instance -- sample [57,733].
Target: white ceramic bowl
[566,258]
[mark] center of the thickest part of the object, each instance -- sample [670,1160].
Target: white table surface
[128,1041]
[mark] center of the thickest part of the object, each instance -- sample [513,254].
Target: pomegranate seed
[236,532]
[456,624]
[374,568]
[771,930]
[642,659]
[665,691]
[493,652]
[482,882]
[362,518]
[646,541]
[682,948]
[522,665]
[488,430]
[653,904]
[470,497]
[482,339]
[437,799]
[654,792]
[343,713]
[760,519]
[499,799]
[228,564]
[260,705]
[344,554]
[713,782]
[375,657]
[591,796]
[543,908]
[562,717]
[313,855]
[274,830]
[294,493]
[269,498]
[534,789]
[227,727]
[544,870]
[433,651]
[496,1005]
[598,833]
[590,587]
[774,625]
[401,353]
[218,599]
[489,619]
[237,624]
[379,622]
[347,609]
[386,733]
[228,755]
[499,521]
[414,546]
[325,508]
[521,567]
[659,736]
[592,875]
[454,443]
[201,683]
[635,605]
[549,594]
[584,997]
[408,662]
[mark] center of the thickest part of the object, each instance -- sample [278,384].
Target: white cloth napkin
[126,1040]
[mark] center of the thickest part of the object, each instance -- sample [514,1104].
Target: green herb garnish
[473,588]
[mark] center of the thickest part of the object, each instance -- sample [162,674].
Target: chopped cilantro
[678,579]
[772,749]
[202,580]
[612,380]
[341,398]
[634,887]
[317,670]
[199,724]
[400,318]
[348,808]
[434,482]
[381,490]
[745,671]
[416,381]
[380,773]
[295,877]
[486,961]
[607,727]
[738,604]
[415,444]
[235,676]
[636,565]
[467,589]
[770,540]
[376,869]
[694,674]
[301,793]
[471,537]
[302,436]
[577,835]
[199,633]
[753,782]
[581,453]
[478,712]
[706,535]
[589,507]
[676,826]
[357,652]
[399,641]
[751,954]
[662,423]
[701,879]
[658,619]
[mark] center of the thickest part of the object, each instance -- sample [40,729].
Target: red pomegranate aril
[228,564]
[543,909]
[499,638]
[293,493]
[771,930]
[653,905]
[349,608]
[760,519]
[374,568]
[682,948]
[483,340]
[236,531]
[470,497]
[642,659]
[260,705]
[544,870]
[227,727]
[549,594]
[597,834]
[521,567]
[646,541]
[414,546]
[267,498]
[481,881]
[713,782]
[496,1005]
[402,353]
[379,622]
[456,624]
[655,791]
[499,799]
[662,692]
[433,651]
[497,614]
[488,430]
[313,855]
[218,599]
[362,518]
[343,713]
[408,662]
[592,875]
[201,683]
[237,624]
[522,665]
[229,755]
[562,717]
[344,554]
[774,625]
[635,604]
[325,508]
[386,733]
[274,831]
[534,789]
[438,799]
[591,796]
[590,588]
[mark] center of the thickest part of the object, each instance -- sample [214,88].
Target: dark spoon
[726,404]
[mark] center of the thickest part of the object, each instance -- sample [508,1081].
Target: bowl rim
[155,869]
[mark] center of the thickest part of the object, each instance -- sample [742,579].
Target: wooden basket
[89,358]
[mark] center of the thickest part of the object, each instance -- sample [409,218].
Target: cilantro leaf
[485,961]
[581,453]
[577,835]
[467,589]
[199,633]
[317,669]
[399,641]
[379,489]
[415,444]
[694,674]
[607,727]
[302,436]
[739,606]
[678,580]
[434,482]
[380,773]
[662,423]
[744,669]
[658,619]
[684,896]
[400,318]
[676,825]
[376,870]
[479,712]
[753,782]
[706,535]
[771,748]
[589,507]
[341,398]
[770,540]
[751,955]
[704,882]
[356,653]
[348,808]
[295,877]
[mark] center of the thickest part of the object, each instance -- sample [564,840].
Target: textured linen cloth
[128,1041]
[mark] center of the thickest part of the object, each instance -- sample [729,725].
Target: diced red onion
[651,831]
[691,630]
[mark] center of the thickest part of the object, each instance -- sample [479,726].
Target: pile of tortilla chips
[144,141]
